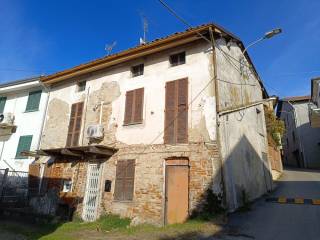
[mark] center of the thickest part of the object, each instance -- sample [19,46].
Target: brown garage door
[177,192]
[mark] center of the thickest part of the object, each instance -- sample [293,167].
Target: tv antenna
[109,47]
[145,26]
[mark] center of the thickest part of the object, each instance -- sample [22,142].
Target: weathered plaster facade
[232,144]
[242,132]
[144,142]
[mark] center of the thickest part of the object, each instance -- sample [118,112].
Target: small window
[33,101]
[124,185]
[177,59]
[2,103]
[67,186]
[23,145]
[81,86]
[134,107]
[137,70]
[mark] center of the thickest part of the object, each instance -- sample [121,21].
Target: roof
[296,99]
[21,81]
[176,39]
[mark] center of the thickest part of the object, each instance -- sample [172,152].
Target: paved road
[273,221]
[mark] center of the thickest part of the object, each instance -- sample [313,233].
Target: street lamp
[267,35]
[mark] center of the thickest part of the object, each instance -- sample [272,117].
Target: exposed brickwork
[149,188]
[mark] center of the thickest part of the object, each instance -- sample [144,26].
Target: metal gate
[91,200]
[13,188]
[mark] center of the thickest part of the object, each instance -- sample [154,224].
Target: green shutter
[2,103]
[23,145]
[33,101]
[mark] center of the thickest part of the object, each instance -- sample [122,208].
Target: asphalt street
[283,221]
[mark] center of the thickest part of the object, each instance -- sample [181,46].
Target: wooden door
[177,193]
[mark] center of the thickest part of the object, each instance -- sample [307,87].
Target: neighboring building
[314,106]
[146,132]
[22,109]
[301,141]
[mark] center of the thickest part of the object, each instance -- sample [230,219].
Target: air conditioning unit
[95,131]
[6,119]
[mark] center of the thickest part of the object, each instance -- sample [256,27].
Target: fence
[13,188]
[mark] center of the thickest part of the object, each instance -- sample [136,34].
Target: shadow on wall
[246,177]
[310,139]
[246,174]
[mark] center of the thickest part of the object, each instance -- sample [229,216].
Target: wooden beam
[100,151]
[70,153]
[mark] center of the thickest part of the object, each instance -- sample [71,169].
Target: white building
[22,108]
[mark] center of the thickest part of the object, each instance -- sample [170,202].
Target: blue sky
[41,37]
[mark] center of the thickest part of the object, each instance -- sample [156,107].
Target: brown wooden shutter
[138,108]
[176,112]
[119,184]
[75,124]
[182,115]
[134,106]
[170,113]
[129,181]
[124,180]
[129,106]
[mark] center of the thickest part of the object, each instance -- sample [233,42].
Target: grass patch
[63,230]
[107,226]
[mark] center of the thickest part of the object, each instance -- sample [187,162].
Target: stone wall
[149,187]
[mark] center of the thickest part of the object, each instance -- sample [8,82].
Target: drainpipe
[44,113]
[85,116]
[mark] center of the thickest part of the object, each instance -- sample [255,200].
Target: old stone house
[146,132]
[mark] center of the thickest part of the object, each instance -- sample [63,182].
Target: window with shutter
[176,112]
[134,107]
[33,101]
[74,124]
[2,103]
[23,145]
[124,185]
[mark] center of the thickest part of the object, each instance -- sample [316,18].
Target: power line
[201,35]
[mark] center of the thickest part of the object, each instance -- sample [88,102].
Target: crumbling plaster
[242,133]
[110,86]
